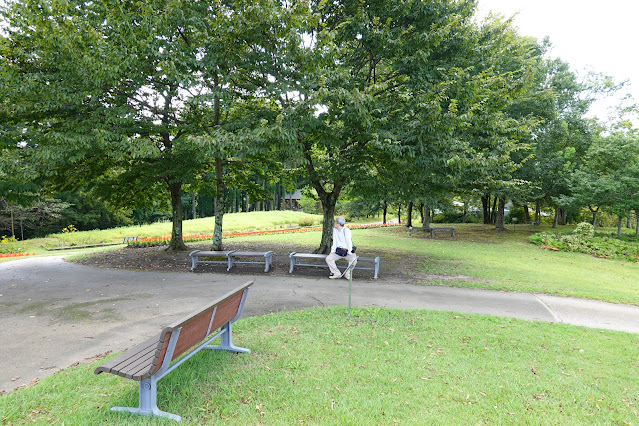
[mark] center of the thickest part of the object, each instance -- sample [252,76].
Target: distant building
[292,201]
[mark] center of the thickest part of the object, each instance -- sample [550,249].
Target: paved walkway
[56,313]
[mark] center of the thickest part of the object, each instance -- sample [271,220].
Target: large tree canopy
[132,96]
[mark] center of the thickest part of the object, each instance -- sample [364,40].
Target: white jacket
[342,239]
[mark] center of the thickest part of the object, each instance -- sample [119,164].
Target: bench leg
[148,402]
[268,261]
[194,260]
[376,268]
[292,259]
[227,341]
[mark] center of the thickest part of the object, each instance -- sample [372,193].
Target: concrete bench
[127,239]
[295,257]
[150,361]
[196,256]
[231,258]
[266,256]
[432,231]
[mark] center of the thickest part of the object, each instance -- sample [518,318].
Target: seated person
[342,248]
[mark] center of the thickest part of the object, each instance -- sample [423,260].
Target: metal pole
[350,291]
[13,233]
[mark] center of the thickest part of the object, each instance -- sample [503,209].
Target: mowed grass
[483,258]
[233,222]
[382,367]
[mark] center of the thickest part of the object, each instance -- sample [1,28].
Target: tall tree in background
[118,94]
[367,70]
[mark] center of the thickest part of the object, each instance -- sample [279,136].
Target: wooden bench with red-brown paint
[151,360]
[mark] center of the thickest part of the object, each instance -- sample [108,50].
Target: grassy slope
[384,366]
[232,222]
[500,261]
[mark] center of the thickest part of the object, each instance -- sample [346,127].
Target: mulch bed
[393,267]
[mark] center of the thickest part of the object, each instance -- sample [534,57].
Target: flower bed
[158,241]
[16,254]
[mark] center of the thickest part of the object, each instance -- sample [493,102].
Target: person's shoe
[334,277]
[347,276]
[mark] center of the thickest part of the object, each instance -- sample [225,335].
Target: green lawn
[494,260]
[482,257]
[382,367]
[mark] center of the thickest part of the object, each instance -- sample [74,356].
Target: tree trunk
[619,226]
[594,216]
[526,213]
[409,220]
[628,220]
[329,200]
[177,243]
[538,212]
[499,217]
[493,213]
[421,212]
[399,214]
[244,201]
[485,202]
[637,226]
[554,223]
[219,204]
[426,218]
[563,216]
[194,205]
[385,211]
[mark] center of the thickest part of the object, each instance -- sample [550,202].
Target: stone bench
[267,257]
[295,257]
[150,361]
[197,254]
[231,258]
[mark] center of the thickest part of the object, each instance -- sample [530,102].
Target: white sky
[599,36]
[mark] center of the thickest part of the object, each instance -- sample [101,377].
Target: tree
[609,177]
[377,84]
[131,98]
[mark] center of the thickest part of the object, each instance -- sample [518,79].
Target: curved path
[55,313]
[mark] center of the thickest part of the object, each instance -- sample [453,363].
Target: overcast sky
[599,36]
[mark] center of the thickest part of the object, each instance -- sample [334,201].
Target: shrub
[584,242]
[584,229]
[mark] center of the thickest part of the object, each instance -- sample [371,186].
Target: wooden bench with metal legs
[150,361]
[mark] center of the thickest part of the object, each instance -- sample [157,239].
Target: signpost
[349,271]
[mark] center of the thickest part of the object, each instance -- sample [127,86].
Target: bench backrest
[195,327]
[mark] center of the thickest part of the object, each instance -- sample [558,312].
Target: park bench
[295,257]
[532,222]
[196,256]
[266,255]
[231,256]
[432,231]
[127,239]
[150,361]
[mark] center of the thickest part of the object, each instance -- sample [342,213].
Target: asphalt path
[54,314]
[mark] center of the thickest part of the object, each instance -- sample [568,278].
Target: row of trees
[405,101]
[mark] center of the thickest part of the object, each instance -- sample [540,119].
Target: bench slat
[130,357]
